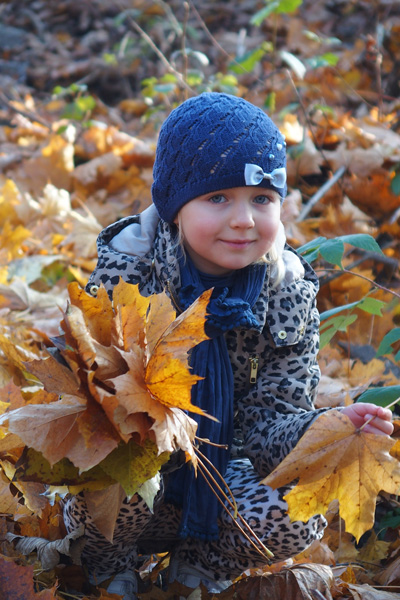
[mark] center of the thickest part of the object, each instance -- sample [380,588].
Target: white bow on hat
[253,175]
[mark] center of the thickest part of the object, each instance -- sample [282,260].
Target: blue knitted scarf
[228,308]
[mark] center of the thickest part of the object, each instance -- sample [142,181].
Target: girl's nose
[242,215]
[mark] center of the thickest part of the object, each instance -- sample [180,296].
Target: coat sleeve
[277,410]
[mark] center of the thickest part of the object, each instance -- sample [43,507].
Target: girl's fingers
[378,425]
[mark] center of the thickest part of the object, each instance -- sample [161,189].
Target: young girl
[219,181]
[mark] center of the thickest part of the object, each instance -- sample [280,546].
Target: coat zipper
[253,368]
[173,297]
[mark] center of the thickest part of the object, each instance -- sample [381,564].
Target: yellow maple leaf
[11,239]
[97,311]
[334,460]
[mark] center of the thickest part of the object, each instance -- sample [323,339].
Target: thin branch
[25,113]
[320,193]
[209,34]
[184,53]
[157,51]
[371,281]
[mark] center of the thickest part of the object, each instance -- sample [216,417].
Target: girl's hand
[360,413]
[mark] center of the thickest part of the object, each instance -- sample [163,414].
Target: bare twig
[371,281]
[25,113]
[160,55]
[184,52]
[320,193]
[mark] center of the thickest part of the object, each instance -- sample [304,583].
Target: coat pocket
[289,313]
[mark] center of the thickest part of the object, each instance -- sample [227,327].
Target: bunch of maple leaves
[116,388]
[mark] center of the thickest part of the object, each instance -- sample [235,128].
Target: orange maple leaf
[334,460]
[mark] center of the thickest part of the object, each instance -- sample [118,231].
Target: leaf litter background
[328,74]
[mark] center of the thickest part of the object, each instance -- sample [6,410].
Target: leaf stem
[265,552]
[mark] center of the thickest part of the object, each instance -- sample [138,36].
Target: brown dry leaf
[8,502]
[17,582]
[366,592]
[53,163]
[104,506]
[297,583]
[319,552]
[363,192]
[56,378]
[48,553]
[334,460]
[390,575]
[64,429]
[96,173]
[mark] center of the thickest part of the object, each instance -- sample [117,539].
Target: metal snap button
[93,290]
[282,335]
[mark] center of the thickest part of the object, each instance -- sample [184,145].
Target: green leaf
[385,347]
[332,251]
[381,396]
[270,102]
[148,81]
[249,60]
[395,185]
[329,59]
[110,58]
[362,240]
[326,110]
[338,309]
[167,78]
[288,6]
[311,245]
[275,7]
[368,305]
[228,80]
[310,251]
[372,306]
[330,328]
[164,88]
[194,77]
[262,14]
[86,103]
[289,109]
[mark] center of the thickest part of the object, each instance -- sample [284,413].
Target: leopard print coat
[274,365]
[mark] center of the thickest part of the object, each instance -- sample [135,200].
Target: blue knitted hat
[212,142]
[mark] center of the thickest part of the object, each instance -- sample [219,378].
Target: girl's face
[229,229]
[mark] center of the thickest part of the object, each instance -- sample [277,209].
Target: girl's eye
[262,199]
[217,199]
